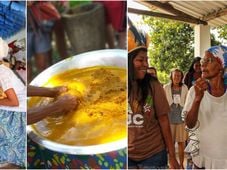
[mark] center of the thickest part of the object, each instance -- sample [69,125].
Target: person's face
[176,77]
[140,63]
[197,67]
[210,66]
[152,72]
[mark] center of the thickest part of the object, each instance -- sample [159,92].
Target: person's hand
[59,90]
[66,103]
[173,163]
[200,85]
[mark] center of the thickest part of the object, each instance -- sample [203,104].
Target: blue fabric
[38,42]
[157,161]
[18,6]
[221,53]
[12,17]
[12,137]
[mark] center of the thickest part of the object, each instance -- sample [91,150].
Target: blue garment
[12,137]
[175,110]
[38,42]
[157,161]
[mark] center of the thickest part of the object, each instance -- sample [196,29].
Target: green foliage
[214,41]
[222,30]
[170,46]
[163,77]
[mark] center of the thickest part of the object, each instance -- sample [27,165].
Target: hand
[173,163]
[59,90]
[66,103]
[200,85]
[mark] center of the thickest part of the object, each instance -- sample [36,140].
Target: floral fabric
[12,137]
[40,158]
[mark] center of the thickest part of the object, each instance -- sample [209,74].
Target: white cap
[20,56]
[3,49]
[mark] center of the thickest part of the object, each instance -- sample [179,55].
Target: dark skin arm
[192,116]
[62,105]
[11,98]
[45,91]
[165,128]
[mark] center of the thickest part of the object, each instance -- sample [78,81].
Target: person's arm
[45,91]
[165,128]
[162,108]
[192,115]
[62,105]
[11,98]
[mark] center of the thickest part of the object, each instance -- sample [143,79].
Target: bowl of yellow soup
[98,126]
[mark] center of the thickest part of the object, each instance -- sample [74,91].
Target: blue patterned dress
[12,137]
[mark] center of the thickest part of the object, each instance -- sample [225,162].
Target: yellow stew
[101,115]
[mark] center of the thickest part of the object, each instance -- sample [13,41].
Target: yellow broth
[101,113]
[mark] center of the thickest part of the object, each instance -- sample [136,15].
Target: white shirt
[9,80]
[212,132]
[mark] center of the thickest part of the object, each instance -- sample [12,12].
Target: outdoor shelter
[203,15]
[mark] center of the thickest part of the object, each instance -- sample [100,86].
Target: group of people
[44,19]
[190,108]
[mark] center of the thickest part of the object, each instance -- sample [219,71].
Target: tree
[171,45]
[214,41]
[222,30]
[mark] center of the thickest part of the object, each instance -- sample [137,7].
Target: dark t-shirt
[175,110]
[144,133]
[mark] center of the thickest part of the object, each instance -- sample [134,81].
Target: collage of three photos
[113,84]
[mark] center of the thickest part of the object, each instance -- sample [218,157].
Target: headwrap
[3,49]
[137,39]
[220,52]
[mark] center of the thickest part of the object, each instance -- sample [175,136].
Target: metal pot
[113,57]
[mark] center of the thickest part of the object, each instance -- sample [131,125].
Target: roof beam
[165,6]
[169,8]
[215,14]
[161,15]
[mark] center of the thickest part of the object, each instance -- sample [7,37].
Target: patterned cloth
[41,158]
[221,53]
[12,137]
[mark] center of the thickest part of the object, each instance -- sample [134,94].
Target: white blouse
[9,80]
[211,135]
